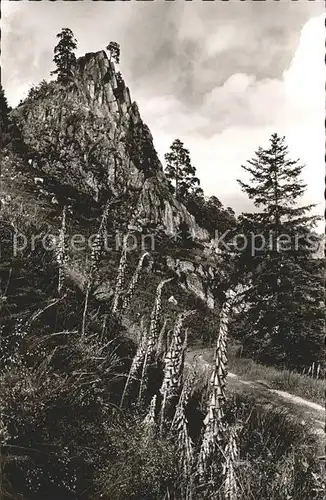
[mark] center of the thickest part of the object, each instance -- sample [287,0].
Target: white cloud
[204,72]
[304,80]
[245,112]
[224,38]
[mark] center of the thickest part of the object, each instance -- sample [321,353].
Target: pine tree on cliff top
[64,56]
[114,49]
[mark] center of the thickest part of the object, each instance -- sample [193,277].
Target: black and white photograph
[162,264]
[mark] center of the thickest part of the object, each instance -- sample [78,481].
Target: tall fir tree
[64,56]
[4,114]
[181,173]
[283,319]
[5,125]
[10,134]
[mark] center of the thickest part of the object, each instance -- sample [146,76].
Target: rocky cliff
[86,142]
[89,138]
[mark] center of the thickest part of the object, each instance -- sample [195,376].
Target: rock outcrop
[89,138]
[88,141]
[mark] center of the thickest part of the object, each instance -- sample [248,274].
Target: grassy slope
[263,459]
[285,380]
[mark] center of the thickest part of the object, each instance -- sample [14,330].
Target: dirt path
[311,413]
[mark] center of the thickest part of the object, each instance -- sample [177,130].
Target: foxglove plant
[174,364]
[96,251]
[162,341]
[133,283]
[120,276]
[231,456]
[61,250]
[137,361]
[149,420]
[184,444]
[152,334]
[214,429]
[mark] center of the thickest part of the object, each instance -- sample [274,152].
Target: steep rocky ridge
[87,142]
[91,138]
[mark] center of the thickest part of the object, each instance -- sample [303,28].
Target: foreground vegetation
[87,414]
[295,383]
[65,436]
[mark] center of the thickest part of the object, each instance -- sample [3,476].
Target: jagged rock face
[195,277]
[89,138]
[158,206]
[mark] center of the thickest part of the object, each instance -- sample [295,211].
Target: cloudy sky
[221,76]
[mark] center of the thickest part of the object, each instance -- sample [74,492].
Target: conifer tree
[64,56]
[114,50]
[216,217]
[10,134]
[4,112]
[4,130]
[282,322]
[181,173]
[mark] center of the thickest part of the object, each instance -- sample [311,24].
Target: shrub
[136,468]
[40,91]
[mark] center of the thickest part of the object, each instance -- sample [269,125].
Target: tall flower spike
[161,340]
[149,420]
[175,356]
[153,333]
[231,458]
[120,276]
[212,433]
[214,426]
[96,250]
[97,244]
[116,305]
[137,361]
[185,448]
[174,361]
[168,340]
[133,283]
[219,375]
[218,378]
[61,250]
[155,316]
[149,424]
[142,328]
[184,396]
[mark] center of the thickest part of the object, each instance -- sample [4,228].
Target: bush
[277,454]
[40,91]
[55,413]
[137,467]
